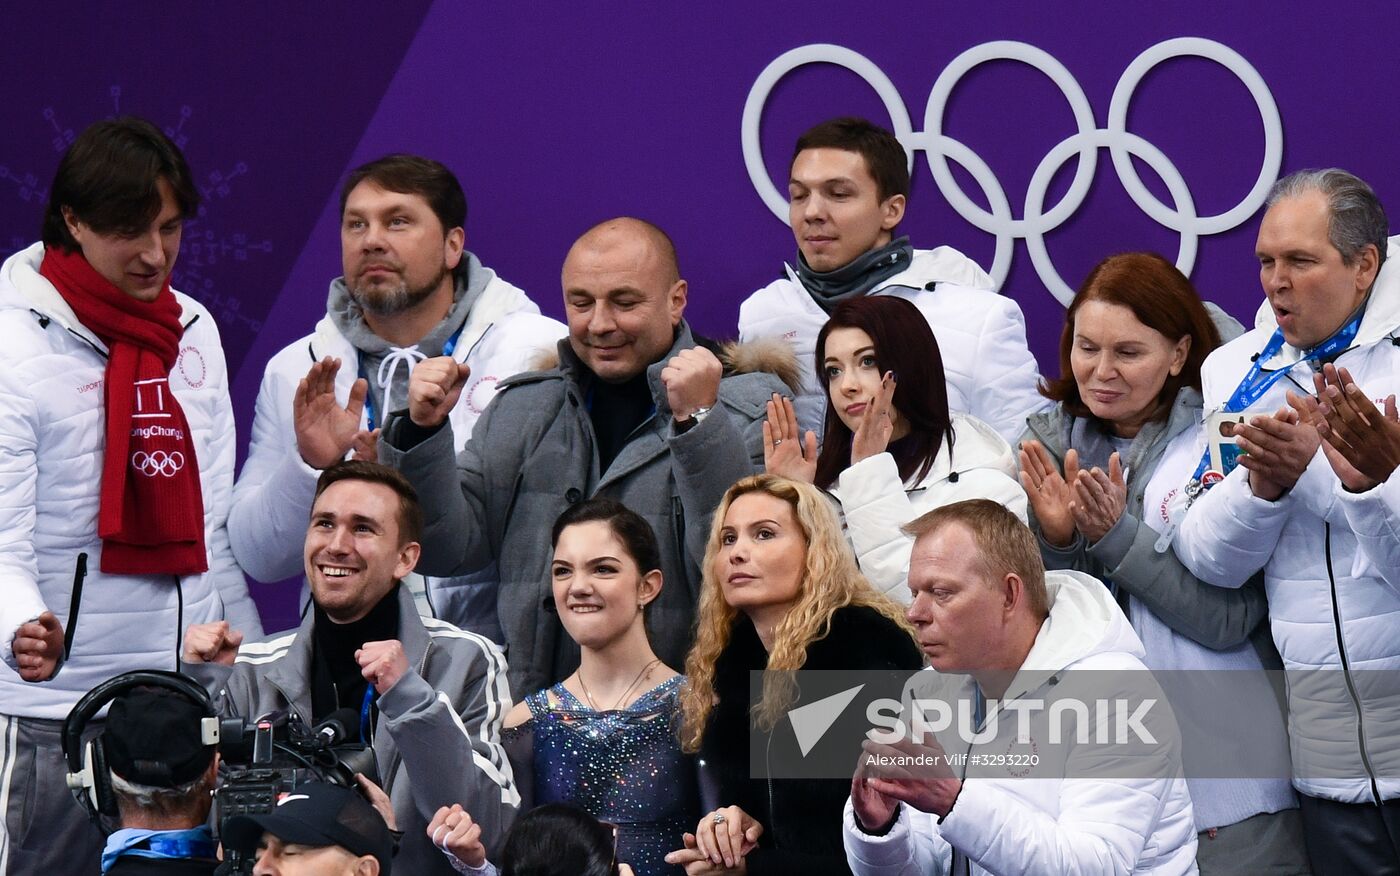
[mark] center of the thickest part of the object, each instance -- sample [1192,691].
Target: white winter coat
[1330,566]
[52,436]
[875,503]
[504,334]
[989,369]
[1043,825]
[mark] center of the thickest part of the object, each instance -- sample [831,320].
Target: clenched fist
[211,643]
[37,646]
[691,379]
[382,663]
[433,389]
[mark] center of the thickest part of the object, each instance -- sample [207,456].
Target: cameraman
[317,830]
[162,777]
[426,696]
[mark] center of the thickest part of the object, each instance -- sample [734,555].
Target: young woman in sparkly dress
[605,737]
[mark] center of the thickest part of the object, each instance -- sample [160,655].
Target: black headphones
[88,776]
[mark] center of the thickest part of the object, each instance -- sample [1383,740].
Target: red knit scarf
[151,512]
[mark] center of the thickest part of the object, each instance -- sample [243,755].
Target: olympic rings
[1036,221]
[158,462]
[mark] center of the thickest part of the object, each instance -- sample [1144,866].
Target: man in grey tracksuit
[428,696]
[637,410]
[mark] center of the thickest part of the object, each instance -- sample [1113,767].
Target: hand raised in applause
[1367,438]
[1049,492]
[872,435]
[784,453]
[1277,450]
[434,387]
[1099,499]
[325,429]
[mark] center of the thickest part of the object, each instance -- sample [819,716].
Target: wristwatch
[683,426]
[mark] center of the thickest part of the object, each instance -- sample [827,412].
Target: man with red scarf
[116,466]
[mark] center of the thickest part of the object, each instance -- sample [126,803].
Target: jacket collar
[1060,430]
[292,674]
[21,273]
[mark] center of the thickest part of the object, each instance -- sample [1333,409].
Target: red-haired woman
[1103,470]
[891,450]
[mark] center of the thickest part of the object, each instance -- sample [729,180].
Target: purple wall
[557,116]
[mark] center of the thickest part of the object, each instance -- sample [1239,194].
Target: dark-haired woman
[1103,471]
[605,738]
[891,450]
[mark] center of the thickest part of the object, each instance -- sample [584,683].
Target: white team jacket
[1040,824]
[875,503]
[1331,564]
[504,335]
[990,372]
[51,444]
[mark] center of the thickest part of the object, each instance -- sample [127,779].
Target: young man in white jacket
[985,606]
[410,291]
[116,464]
[1318,527]
[848,185]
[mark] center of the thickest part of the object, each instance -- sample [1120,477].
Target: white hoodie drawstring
[410,355]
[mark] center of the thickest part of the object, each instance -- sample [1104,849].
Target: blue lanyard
[370,419]
[364,713]
[1256,382]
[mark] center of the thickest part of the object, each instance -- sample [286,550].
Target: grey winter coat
[1212,616]
[533,454]
[436,740]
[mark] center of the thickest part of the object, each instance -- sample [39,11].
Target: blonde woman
[781,592]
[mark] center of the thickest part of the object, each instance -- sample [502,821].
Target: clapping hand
[1356,429]
[1099,499]
[1277,450]
[1049,492]
[872,436]
[325,430]
[783,453]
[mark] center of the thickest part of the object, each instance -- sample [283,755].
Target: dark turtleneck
[336,682]
[857,277]
[616,410]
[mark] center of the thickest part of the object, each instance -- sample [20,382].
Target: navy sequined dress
[623,766]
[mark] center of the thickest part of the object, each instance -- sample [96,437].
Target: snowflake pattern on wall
[209,251]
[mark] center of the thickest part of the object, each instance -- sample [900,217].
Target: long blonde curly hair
[830,581]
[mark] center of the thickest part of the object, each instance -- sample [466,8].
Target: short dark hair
[904,344]
[1162,299]
[630,528]
[557,839]
[884,156]
[414,175]
[109,178]
[410,512]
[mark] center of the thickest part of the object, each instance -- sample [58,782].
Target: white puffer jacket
[1330,566]
[989,369]
[51,447]
[875,503]
[1010,819]
[504,335]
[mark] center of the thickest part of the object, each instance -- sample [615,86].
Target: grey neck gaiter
[858,277]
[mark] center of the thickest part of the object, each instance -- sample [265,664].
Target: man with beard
[410,291]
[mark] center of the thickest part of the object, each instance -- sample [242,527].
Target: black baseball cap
[317,814]
[153,737]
